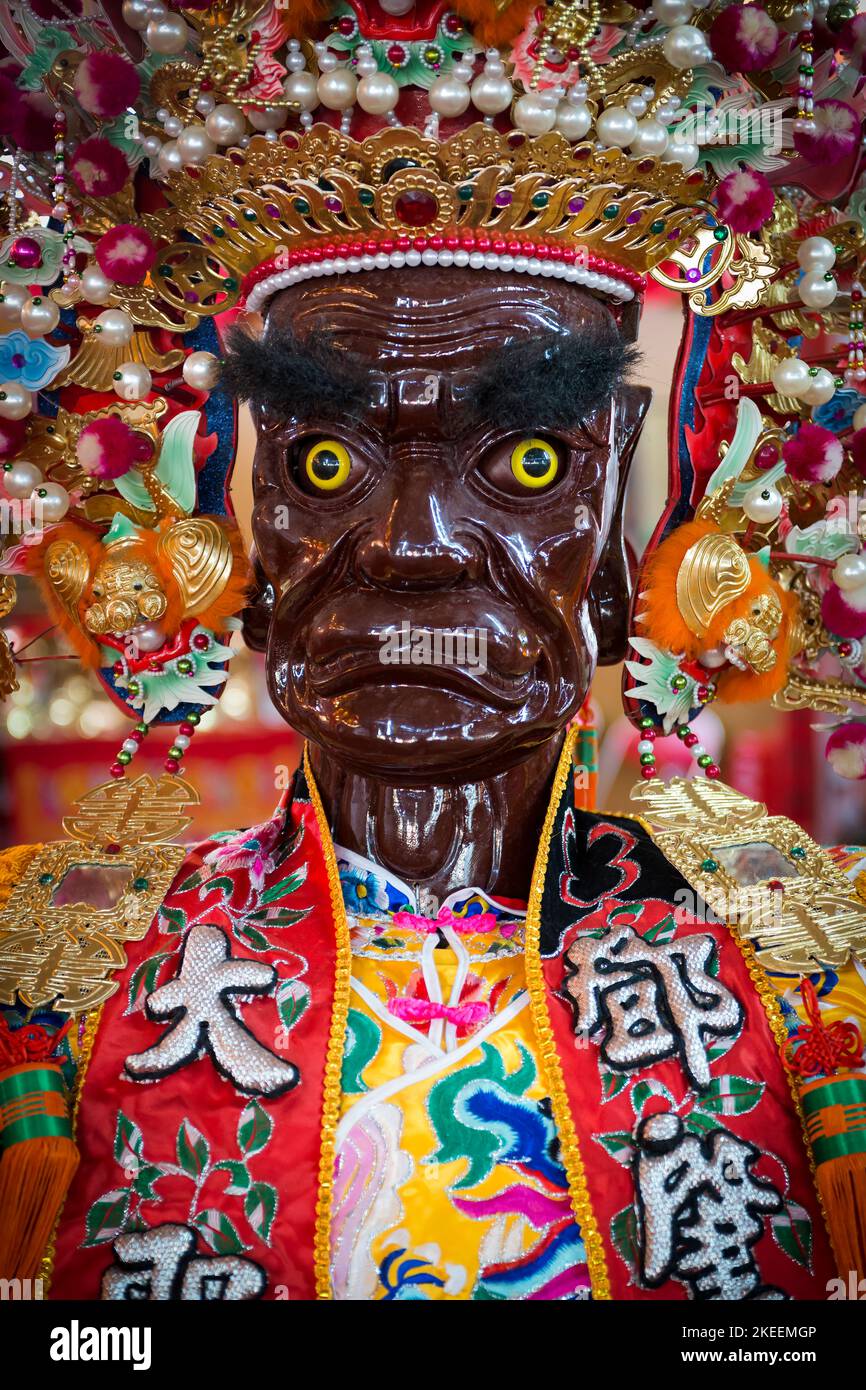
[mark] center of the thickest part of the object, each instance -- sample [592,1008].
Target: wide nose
[413,543]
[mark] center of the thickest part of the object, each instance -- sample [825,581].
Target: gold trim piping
[332,1094]
[85,1052]
[550,1064]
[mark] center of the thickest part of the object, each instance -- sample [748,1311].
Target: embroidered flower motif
[31,361]
[363,892]
[249,851]
[838,414]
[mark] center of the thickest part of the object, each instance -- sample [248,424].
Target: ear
[610,590]
[257,617]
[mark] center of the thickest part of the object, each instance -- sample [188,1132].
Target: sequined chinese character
[655,1000]
[163,1264]
[701,1209]
[198,1004]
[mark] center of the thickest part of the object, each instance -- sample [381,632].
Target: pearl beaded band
[529,258]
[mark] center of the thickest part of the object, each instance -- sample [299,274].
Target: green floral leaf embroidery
[792,1232]
[107,1217]
[174,917]
[144,1181]
[239,1180]
[612,1084]
[278,916]
[731,1095]
[219,1232]
[244,932]
[144,978]
[225,885]
[193,881]
[254,1128]
[623,1233]
[363,1039]
[665,930]
[260,1206]
[193,1152]
[649,1090]
[128,1142]
[285,886]
[699,1123]
[619,1144]
[293,998]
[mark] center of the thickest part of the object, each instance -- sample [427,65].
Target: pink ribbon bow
[482,922]
[425,1010]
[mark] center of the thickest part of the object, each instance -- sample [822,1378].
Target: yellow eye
[534,463]
[328,465]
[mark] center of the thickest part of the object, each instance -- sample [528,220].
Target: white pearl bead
[172,125]
[54,505]
[849,572]
[685,47]
[301,90]
[205,104]
[226,124]
[860,418]
[816,253]
[136,13]
[573,121]
[616,126]
[129,745]
[821,389]
[491,94]
[96,287]
[682,152]
[150,637]
[762,503]
[16,403]
[170,158]
[270,118]
[698,750]
[378,94]
[672,12]
[39,316]
[181,741]
[201,371]
[134,382]
[637,106]
[21,478]
[14,299]
[815,291]
[337,89]
[152,146]
[195,145]
[791,377]
[449,97]
[167,35]
[533,114]
[115,327]
[651,138]
[645,745]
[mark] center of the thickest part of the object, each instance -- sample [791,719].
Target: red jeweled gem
[117,770]
[187,729]
[415,208]
[26,253]
[648,771]
[200,642]
[396,54]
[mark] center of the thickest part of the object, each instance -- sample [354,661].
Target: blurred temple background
[60,732]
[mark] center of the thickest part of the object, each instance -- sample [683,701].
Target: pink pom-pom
[814,455]
[34,123]
[852,40]
[98,167]
[857,445]
[834,135]
[108,448]
[105,84]
[12,436]
[744,38]
[844,611]
[745,201]
[125,254]
[846,751]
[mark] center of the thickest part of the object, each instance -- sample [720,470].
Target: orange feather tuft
[491,26]
[661,620]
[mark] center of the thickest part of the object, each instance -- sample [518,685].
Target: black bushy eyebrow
[554,382]
[291,378]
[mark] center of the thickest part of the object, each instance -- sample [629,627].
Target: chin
[411,734]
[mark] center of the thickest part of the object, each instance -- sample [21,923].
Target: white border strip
[474,260]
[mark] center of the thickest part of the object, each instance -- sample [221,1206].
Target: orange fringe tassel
[833,1097]
[38,1156]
